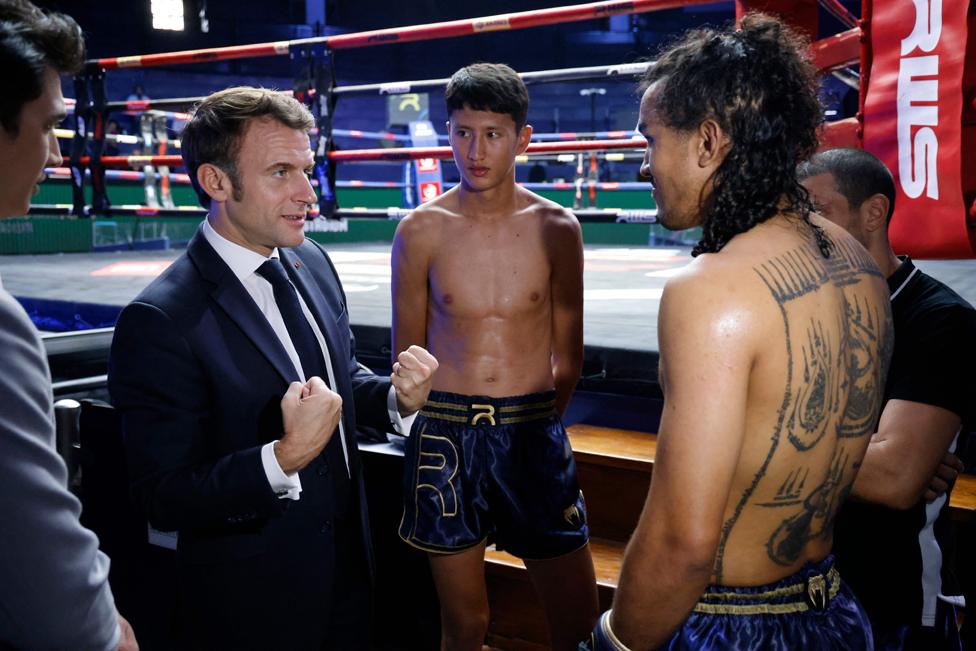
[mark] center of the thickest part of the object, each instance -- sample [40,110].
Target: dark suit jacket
[197,374]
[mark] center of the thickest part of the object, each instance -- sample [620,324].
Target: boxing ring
[938,188]
[604,207]
[611,212]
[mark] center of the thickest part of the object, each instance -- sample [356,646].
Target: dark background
[124,27]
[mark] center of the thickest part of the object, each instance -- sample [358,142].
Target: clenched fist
[412,375]
[310,413]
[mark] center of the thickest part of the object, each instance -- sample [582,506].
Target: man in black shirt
[887,539]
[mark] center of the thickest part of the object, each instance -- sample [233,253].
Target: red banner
[913,121]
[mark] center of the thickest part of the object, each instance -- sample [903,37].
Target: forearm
[887,477]
[659,585]
[566,375]
[370,393]
[230,490]
[179,435]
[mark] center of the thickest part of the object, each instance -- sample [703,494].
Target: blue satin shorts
[813,610]
[500,469]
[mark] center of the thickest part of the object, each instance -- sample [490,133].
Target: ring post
[79,145]
[314,84]
[148,171]
[96,81]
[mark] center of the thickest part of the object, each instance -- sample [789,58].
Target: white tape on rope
[629,69]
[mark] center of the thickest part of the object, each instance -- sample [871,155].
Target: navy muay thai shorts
[499,469]
[812,610]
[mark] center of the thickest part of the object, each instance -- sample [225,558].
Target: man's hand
[411,377]
[310,413]
[127,642]
[946,473]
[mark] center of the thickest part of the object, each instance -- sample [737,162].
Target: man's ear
[524,138]
[713,143]
[874,213]
[214,182]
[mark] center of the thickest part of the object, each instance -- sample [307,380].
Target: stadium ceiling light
[167,14]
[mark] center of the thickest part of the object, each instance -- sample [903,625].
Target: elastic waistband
[489,411]
[811,588]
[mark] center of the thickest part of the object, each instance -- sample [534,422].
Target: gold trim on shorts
[813,588]
[487,414]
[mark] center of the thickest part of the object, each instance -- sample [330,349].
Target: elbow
[567,370]
[894,492]
[692,553]
[904,498]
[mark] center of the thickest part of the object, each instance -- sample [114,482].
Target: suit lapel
[238,305]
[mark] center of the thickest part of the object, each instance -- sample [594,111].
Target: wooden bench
[614,468]
[634,451]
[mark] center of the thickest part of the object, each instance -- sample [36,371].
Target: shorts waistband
[811,588]
[491,411]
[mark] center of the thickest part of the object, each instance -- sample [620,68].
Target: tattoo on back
[836,365]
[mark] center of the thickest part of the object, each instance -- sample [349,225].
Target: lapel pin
[298,265]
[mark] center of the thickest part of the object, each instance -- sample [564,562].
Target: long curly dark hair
[758,84]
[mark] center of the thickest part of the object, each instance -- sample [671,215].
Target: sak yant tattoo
[835,373]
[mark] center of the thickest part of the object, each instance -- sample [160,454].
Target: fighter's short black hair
[489,87]
[31,40]
[758,84]
[858,175]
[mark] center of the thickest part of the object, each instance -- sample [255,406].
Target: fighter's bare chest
[501,278]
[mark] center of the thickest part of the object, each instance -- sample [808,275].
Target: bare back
[492,288]
[805,342]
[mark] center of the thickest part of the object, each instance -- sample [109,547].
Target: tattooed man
[774,346]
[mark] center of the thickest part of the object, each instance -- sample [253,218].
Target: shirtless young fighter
[489,278]
[774,345]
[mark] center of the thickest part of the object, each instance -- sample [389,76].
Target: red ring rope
[431,31]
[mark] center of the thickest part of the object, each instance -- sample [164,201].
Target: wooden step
[614,470]
[600,449]
[962,500]
[517,620]
[617,448]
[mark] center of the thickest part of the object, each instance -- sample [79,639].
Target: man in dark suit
[235,376]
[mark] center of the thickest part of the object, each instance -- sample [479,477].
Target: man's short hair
[215,132]
[489,87]
[758,84]
[31,40]
[858,175]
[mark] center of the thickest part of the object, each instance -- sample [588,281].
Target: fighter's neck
[500,200]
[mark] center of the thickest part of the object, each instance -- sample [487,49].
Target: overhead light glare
[167,14]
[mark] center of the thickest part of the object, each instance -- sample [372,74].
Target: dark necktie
[312,360]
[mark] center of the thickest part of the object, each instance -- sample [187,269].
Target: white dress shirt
[244,264]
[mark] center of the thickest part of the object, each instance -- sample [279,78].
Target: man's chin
[664,219]
[673,222]
[292,239]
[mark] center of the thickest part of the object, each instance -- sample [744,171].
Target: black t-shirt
[892,558]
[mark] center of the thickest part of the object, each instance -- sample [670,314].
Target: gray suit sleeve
[54,591]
